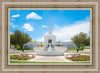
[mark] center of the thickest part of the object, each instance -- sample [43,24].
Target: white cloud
[33,16]
[17,15]
[28,27]
[44,26]
[13,26]
[66,33]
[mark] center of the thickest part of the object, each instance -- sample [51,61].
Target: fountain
[50,52]
[49,48]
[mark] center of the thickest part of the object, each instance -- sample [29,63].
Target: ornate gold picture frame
[92,66]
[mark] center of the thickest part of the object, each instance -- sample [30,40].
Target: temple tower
[49,38]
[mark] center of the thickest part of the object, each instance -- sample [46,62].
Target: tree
[33,41]
[87,43]
[59,43]
[79,39]
[19,38]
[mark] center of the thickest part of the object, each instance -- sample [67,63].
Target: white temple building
[50,39]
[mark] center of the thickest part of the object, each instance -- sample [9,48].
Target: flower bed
[80,58]
[18,57]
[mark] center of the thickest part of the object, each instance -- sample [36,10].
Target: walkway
[49,59]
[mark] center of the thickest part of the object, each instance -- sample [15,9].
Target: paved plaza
[49,59]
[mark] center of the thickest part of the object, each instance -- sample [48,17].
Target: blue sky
[64,23]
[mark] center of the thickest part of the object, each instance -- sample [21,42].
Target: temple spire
[49,24]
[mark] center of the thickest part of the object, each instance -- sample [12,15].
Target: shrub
[76,47]
[81,48]
[84,47]
[17,47]
[25,46]
[59,44]
[41,45]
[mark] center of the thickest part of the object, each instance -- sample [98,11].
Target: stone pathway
[49,59]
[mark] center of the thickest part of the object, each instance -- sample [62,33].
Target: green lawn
[26,49]
[73,49]
[43,62]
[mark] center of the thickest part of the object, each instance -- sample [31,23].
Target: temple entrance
[49,41]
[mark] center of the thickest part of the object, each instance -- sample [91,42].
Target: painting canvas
[50,36]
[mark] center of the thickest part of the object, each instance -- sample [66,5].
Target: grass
[43,62]
[73,49]
[80,49]
[26,50]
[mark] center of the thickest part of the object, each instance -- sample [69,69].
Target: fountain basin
[49,53]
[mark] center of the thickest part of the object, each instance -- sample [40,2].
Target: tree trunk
[22,48]
[78,49]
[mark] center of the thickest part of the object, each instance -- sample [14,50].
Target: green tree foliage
[19,38]
[80,40]
[12,39]
[87,43]
[17,47]
[59,42]
[33,41]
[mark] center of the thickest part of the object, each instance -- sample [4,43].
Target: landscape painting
[50,36]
